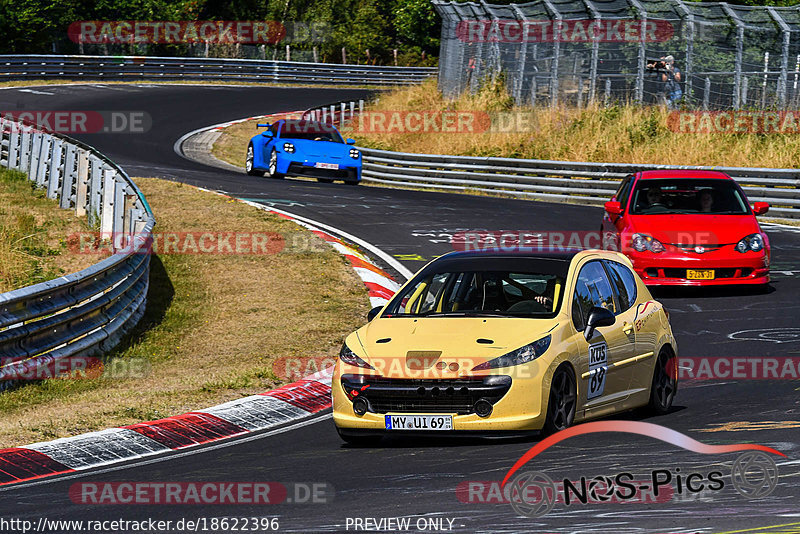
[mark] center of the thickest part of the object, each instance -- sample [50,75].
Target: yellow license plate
[702,274]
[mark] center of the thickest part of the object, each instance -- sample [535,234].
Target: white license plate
[419,422]
[320,165]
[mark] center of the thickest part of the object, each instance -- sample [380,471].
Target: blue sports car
[314,149]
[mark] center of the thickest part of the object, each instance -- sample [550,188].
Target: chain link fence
[581,51]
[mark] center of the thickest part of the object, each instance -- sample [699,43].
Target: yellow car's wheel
[563,400]
[665,383]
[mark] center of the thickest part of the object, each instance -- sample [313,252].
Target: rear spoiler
[265,125]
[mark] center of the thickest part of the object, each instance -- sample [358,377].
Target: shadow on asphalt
[709,292]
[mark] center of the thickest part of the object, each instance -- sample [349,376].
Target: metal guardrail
[563,181]
[14,67]
[87,312]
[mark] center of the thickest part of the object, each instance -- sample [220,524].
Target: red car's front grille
[692,248]
[676,273]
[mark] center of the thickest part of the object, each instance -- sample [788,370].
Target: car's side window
[624,282]
[624,190]
[274,129]
[592,288]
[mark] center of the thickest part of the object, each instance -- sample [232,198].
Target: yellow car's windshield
[471,293]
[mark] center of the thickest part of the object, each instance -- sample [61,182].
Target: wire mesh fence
[578,51]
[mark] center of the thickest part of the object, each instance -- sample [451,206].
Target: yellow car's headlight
[525,354]
[351,358]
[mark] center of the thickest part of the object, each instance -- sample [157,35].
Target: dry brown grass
[214,325]
[33,234]
[625,134]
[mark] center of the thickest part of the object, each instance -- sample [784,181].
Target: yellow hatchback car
[506,343]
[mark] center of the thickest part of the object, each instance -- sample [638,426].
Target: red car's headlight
[642,242]
[754,242]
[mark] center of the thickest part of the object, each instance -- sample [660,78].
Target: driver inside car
[654,197]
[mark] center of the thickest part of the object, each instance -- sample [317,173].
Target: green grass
[33,234]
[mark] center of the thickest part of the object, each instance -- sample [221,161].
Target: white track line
[396,265]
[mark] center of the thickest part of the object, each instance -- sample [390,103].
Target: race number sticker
[598,368]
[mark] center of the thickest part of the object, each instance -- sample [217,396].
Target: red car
[688,228]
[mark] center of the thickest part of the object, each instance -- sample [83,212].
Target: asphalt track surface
[418,479]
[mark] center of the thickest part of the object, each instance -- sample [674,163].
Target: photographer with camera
[671,76]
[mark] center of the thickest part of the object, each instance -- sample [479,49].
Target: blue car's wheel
[248,163]
[325,180]
[272,168]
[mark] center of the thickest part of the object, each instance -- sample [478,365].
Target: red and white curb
[255,413]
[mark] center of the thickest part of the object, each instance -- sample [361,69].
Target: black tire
[354,182]
[325,180]
[358,440]
[664,384]
[272,167]
[563,401]
[248,163]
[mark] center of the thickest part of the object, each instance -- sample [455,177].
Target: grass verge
[619,133]
[214,324]
[34,234]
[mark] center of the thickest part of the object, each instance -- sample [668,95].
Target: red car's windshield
[687,195]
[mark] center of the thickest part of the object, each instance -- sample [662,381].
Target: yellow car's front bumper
[522,408]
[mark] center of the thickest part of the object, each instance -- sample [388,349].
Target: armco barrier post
[13,149]
[95,190]
[68,177]
[118,209]
[82,183]
[107,209]
[56,168]
[25,152]
[44,157]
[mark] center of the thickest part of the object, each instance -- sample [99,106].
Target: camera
[656,65]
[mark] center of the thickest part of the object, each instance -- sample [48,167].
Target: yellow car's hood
[400,347]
